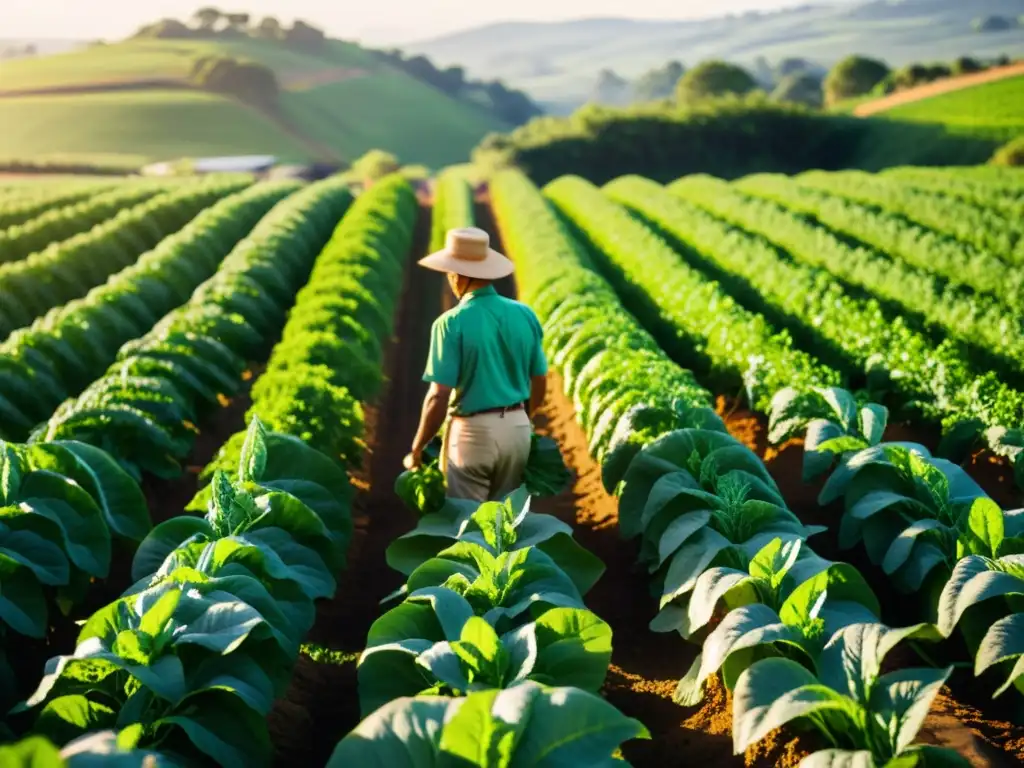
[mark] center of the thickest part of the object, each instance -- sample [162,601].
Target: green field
[154,124]
[717,350]
[997,107]
[375,107]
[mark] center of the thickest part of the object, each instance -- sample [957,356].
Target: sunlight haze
[379,22]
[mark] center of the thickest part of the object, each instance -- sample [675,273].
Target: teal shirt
[486,349]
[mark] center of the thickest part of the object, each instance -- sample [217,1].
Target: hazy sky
[376,21]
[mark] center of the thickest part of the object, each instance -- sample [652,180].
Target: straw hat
[468,252]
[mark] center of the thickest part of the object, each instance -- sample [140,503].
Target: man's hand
[414,460]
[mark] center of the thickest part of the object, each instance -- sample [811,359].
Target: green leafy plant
[912,512]
[831,422]
[434,644]
[423,489]
[788,602]
[498,527]
[526,725]
[506,588]
[96,750]
[287,513]
[869,717]
[61,505]
[982,598]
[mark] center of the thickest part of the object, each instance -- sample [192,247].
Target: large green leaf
[974,580]
[774,692]
[222,727]
[69,507]
[68,717]
[22,603]
[904,697]
[1003,641]
[42,557]
[164,539]
[403,733]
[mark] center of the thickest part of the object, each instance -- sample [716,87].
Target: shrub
[965,65]
[853,76]
[714,78]
[1010,154]
[799,88]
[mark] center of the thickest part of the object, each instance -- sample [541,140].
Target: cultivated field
[791,409]
[341,102]
[991,109]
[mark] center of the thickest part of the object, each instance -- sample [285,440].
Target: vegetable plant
[526,725]
[498,527]
[871,718]
[433,643]
[831,421]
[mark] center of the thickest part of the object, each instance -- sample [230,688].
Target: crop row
[933,379]
[690,314]
[971,317]
[121,512]
[23,205]
[795,636]
[491,647]
[923,523]
[62,353]
[901,239]
[963,221]
[189,661]
[68,270]
[20,240]
[142,411]
[1008,200]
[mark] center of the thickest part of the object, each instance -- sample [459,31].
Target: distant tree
[610,88]
[965,65]
[206,18]
[993,24]
[247,81]
[303,35]
[165,29]
[511,105]
[237,21]
[31,50]
[658,83]
[269,28]
[792,66]
[799,88]
[1010,154]
[453,79]
[853,76]
[714,78]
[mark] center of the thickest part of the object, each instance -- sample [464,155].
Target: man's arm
[435,408]
[538,391]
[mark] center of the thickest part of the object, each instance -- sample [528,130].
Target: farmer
[486,367]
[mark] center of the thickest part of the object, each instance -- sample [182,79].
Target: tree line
[255,83]
[791,81]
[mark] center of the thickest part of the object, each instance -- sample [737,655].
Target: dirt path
[948,85]
[322,703]
[645,666]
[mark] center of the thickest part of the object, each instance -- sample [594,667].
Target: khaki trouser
[485,455]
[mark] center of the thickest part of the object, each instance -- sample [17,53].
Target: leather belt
[502,410]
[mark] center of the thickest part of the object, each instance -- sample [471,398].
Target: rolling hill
[557,63]
[997,107]
[132,98]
